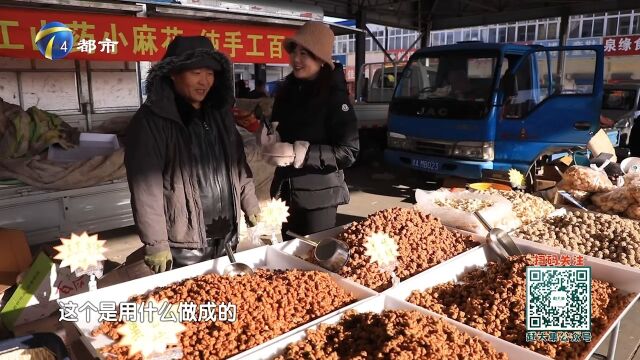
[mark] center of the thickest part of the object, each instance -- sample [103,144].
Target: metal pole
[564,35]
[426,35]
[361,23]
[613,342]
[382,47]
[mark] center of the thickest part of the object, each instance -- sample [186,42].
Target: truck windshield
[450,81]
[618,99]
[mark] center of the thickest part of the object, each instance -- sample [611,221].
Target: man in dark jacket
[185,159]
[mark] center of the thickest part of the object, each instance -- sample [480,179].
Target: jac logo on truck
[440,112]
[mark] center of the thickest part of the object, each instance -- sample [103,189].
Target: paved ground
[374,188]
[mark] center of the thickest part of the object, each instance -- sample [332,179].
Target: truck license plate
[426,164]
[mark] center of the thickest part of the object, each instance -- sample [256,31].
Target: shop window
[502,35]
[522,33]
[511,34]
[484,35]
[574,29]
[625,25]
[598,27]
[450,38]
[587,25]
[531,32]
[542,32]
[493,32]
[552,31]
[612,26]
[636,26]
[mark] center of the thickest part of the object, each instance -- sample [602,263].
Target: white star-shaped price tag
[274,213]
[382,249]
[151,336]
[81,252]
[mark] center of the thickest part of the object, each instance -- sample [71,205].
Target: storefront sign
[583,42]
[571,42]
[137,38]
[622,45]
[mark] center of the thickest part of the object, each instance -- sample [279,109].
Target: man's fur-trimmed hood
[159,86]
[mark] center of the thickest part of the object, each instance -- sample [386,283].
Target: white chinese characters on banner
[622,45]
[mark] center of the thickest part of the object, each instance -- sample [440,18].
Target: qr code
[558,298]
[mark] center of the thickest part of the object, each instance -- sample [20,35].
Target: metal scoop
[498,240]
[235,268]
[331,254]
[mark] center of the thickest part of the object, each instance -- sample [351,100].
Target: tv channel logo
[54,40]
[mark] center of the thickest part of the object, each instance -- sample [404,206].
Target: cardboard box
[15,256]
[91,145]
[125,272]
[133,268]
[51,324]
[35,298]
[600,143]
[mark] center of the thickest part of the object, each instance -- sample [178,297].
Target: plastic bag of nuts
[632,182]
[580,196]
[633,212]
[617,200]
[493,300]
[528,208]
[456,209]
[393,334]
[584,178]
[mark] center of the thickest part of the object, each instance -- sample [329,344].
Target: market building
[618,31]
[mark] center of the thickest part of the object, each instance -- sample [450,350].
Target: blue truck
[475,109]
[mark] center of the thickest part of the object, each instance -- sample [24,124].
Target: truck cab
[377,81]
[621,110]
[467,109]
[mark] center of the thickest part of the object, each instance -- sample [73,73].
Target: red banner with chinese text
[139,39]
[622,45]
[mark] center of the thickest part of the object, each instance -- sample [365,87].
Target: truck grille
[433,148]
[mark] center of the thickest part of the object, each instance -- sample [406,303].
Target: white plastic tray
[262,257]
[381,303]
[621,277]
[301,249]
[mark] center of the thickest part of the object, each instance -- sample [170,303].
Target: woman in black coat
[316,133]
